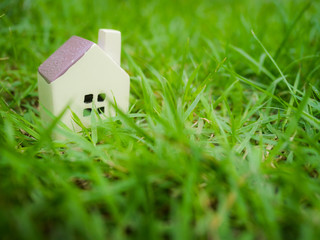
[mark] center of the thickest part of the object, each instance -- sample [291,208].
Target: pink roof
[63,58]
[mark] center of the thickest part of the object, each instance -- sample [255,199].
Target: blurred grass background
[222,137]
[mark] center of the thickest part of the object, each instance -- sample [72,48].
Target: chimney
[110,41]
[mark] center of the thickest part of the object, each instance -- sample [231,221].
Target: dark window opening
[101,97]
[101,110]
[88,98]
[87,112]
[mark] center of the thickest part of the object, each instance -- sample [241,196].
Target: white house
[84,76]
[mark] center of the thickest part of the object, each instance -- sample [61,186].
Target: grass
[221,140]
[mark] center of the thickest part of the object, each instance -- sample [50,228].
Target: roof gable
[64,57]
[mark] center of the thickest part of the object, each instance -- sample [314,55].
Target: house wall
[95,73]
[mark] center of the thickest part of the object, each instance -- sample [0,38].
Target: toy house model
[85,76]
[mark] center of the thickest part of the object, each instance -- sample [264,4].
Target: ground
[221,140]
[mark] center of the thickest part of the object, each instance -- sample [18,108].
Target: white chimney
[110,41]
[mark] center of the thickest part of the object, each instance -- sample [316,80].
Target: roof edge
[63,58]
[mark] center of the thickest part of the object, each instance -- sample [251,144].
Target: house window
[101,110]
[88,98]
[87,112]
[101,97]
